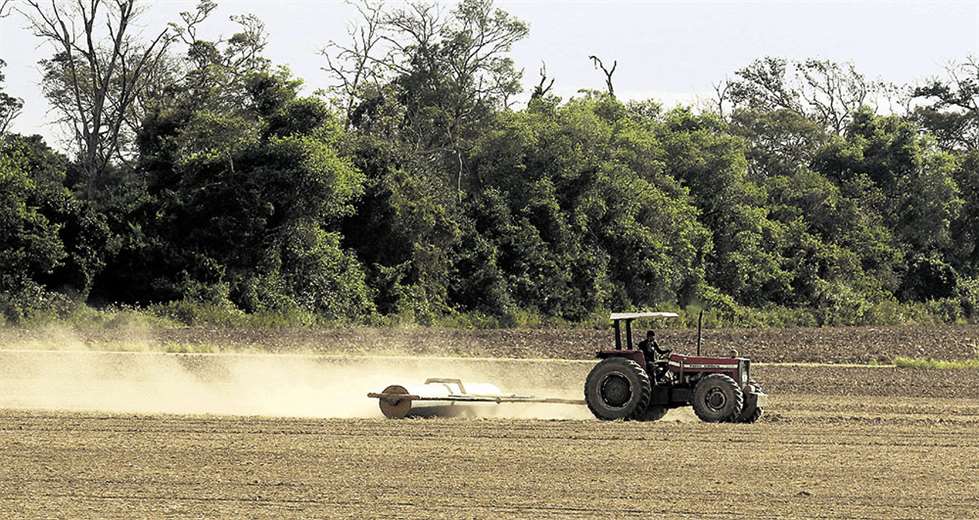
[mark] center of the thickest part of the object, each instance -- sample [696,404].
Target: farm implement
[634,381]
[449,398]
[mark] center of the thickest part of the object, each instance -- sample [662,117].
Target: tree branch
[597,62]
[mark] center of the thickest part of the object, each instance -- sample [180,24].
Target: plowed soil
[799,345]
[86,435]
[818,459]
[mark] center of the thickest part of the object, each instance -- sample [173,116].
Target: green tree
[900,174]
[965,229]
[702,155]
[247,183]
[833,243]
[30,243]
[419,90]
[51,243]
[579,213]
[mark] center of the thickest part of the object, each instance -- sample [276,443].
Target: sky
[669,50]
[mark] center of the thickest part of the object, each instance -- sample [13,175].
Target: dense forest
[427,183]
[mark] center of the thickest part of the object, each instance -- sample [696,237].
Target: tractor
[643,382]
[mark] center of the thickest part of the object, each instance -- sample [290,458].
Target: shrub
[935,364]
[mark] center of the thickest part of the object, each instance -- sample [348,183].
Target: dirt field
[799,345]
[133,435]
[819,459]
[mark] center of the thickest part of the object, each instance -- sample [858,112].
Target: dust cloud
[56,370]
[77,379]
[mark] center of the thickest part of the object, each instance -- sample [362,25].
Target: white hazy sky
[673,51]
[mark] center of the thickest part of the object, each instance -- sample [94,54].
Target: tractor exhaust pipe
[700,329]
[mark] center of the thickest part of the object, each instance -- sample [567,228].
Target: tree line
[420,185]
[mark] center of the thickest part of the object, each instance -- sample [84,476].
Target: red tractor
[644,382]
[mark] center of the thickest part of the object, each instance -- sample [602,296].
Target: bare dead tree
[960,91]
[410,32]
[597,62]
[94,83]
[350,64]
[454,65]
[949,106]
[827,92]
[10,107]
[221,65]
[898,98]
[543,86]
[190,21]
[721,97]
[834,91]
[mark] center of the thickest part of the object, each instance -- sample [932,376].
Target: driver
[658,356]
[648,346]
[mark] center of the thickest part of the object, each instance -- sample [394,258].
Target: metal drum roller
[447,398]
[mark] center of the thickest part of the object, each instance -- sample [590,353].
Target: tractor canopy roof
[616,316]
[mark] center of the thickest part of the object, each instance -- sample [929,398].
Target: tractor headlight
[744,373]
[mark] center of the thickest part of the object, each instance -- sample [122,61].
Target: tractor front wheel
[751,411]
[750,415]
[617,388]
[717,398]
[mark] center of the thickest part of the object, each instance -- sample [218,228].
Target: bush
[228,316]
[194,313]
[969,298]
[935,364]
[33,303]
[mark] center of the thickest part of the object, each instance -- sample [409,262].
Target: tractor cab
[626,347]
[618,318]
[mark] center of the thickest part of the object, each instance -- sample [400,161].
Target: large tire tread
[732,392]
[751,411]
[644,386]
[751,417]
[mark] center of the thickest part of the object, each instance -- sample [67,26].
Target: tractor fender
[634,355]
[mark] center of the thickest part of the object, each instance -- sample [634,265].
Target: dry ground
[804,345]
[837,442]
[835,458]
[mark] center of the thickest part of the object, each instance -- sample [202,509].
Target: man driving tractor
[658,356]
[648,346]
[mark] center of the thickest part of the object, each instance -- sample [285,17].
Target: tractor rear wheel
[617,388]
[654,413]
[717,398]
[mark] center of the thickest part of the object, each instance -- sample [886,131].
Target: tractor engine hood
[700,363]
